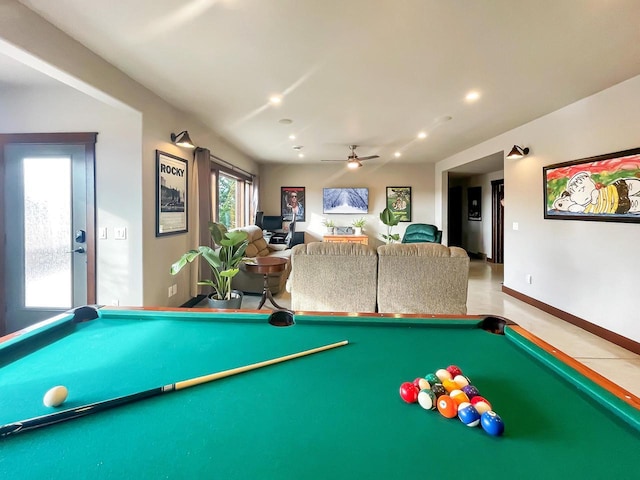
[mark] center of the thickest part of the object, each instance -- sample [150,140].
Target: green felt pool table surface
[335,414]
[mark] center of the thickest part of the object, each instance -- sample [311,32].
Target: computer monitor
[271,223]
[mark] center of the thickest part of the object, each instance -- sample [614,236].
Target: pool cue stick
[77,412]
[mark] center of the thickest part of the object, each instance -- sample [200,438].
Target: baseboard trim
[601,332]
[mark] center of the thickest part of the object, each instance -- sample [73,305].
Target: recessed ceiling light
[285,121]
[275,99]
[397,154]
[422,135]
[292,137]
[301,155]
[472,96]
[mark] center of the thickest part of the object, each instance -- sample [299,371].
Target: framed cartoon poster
[602,188]
[399,202]
[171,194]
[292,203]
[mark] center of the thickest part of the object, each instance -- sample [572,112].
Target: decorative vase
[235,303]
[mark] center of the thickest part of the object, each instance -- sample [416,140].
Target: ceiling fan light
[353,164]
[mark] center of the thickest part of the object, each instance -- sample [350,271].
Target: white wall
[143,258]
[374,177]
[587,269]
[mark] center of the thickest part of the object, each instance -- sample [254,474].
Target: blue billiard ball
[492,423]
[468,414]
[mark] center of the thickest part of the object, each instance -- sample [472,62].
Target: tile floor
[485,297]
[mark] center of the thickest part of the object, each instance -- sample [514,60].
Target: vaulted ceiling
[374,73]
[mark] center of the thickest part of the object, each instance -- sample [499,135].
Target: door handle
[78,250]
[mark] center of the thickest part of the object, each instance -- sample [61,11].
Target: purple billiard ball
[492,423]
[471,391]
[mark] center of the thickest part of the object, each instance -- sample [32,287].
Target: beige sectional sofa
[258,247]
[398,278]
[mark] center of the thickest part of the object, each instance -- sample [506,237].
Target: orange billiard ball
[447,407]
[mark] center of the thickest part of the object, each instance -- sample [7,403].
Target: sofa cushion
[422,278]
[337,277]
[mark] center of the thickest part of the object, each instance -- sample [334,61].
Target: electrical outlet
[170,292]
[516,226]
[102,233]
[174,289]
[120,233]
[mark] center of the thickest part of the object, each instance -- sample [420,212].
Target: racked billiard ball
[468,414]
[471,391]
[492,423]
[427,399]
[454,370]
[432,379]
[438,390]
[409,392]
[459,396]
[447,407]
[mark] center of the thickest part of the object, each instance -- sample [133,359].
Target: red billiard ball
[454,370]
[409,392]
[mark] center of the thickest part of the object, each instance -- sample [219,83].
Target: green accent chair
[422,233]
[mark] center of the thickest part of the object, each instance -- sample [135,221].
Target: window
[231,197]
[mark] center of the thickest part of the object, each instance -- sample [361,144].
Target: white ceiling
[367,72]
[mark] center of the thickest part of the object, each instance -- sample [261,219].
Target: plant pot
[235,303]
[357,230]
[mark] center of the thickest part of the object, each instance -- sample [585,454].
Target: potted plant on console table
[224,262]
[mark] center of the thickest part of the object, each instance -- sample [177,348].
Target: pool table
[336,414]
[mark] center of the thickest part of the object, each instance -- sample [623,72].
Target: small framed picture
[171,194]
[399,202]
[474,198]
[292,203]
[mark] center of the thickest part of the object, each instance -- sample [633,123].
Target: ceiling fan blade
[333,160]
[369,157]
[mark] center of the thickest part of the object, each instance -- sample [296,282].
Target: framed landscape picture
[601,188]
[171,194]
[399,202]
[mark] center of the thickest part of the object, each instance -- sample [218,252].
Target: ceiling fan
[353,160]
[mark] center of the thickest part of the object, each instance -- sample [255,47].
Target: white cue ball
[55,396]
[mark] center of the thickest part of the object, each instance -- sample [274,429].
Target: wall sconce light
[518,152]
[182,139]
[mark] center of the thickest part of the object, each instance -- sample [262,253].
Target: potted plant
[390,220]
[330,225]
[224,262]
[358,224]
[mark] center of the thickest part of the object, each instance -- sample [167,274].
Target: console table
[363,239]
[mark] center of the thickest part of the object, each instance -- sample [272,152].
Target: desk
[336,414]
[363,239]
[264,266]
